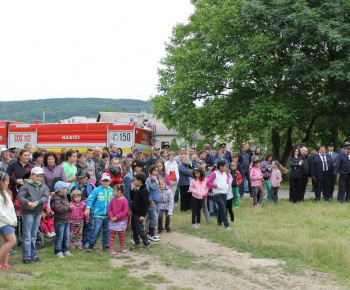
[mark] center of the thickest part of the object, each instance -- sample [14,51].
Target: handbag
[172,176]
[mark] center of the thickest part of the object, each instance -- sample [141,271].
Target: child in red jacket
[47,221]
[118,211]
[115,171]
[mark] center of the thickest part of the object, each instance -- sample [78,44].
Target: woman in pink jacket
[198,187]
[256,179]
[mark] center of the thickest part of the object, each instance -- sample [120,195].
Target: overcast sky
[84,48]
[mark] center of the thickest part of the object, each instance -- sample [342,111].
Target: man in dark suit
[227,154]
[208,160]
[332,176]
[321,168]
[343,167]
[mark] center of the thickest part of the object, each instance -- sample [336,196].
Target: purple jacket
[51,173]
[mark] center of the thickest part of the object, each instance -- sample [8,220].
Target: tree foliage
[274,71]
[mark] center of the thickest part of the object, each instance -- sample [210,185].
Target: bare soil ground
[182,261]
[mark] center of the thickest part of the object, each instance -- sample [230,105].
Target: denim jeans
[30,228]
[153,212]
[213,207]
[98,224]
[61,243]
[220,200]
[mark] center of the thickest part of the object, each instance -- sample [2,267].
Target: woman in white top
[8,221]
[172,170]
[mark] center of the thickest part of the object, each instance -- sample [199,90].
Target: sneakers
[80,246]
[86,245]
[67,253]
[123,251]
[194,226]
[90,248]
[112,252]
[228,228]
[105,249]
[53,234]
[154,239]
[198,225]
[27,261]
[132,241]
[160,232]
[168,230]
[72,245]
[37,260]
[60,255]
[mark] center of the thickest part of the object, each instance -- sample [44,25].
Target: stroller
[40,240]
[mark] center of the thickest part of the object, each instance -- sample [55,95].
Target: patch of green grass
[154,278]
[307,234]
[83,271]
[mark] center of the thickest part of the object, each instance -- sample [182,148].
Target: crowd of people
[77,195]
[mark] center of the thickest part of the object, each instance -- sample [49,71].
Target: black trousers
[322,185]
[196,210]
[138,230]
[241,187]
[294,189]
[304,181]
[160,219]
[332,180]
[344,188]
[185,198]
[229,204]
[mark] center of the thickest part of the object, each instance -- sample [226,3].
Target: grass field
[305,235]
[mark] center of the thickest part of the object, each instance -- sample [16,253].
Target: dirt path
[181,261]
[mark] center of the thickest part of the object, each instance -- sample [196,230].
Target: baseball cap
[61,184]
[105,176]
[4,149]
[37,170]
[138,150]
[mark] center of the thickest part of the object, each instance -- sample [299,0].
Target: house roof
[117,117]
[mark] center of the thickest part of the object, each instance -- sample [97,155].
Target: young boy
[140,202]
[98,202]
[32,196]
[60,206]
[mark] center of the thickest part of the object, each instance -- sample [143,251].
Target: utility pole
[44,111]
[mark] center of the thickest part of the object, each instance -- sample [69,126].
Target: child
[91,173]
[8,221]
[83,184]
[205,197]
[166,205]
[152,185]
[236,182]
[61,207]
[118,212]
[229,200]
[32,196]
[115,171]
[256,179]
[98,202]
[198,187]
[276,179]
[47,221]
[77,219]
[140,202]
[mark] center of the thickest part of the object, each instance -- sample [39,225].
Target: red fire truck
[80,136]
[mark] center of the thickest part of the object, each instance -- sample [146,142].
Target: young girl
[61,207]
[76,219]
[276,179]
[152,185]
[198,187]
[166,205]
[47,221]
[236,182]
[229,200]
[162,173]
[256,179]
[118,212]
[8,221]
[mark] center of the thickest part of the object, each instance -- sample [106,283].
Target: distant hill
[58,109]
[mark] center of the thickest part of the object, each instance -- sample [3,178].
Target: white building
[78,119]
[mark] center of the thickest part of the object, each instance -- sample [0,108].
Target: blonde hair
[75,193]
[280,167]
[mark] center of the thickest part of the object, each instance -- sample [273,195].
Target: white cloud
[83,48]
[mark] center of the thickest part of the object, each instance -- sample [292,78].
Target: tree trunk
[276,143]
[288,148]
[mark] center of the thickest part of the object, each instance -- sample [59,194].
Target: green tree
[273,71]
[174,146]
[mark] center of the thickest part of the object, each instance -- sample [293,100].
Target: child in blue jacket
[98,203]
